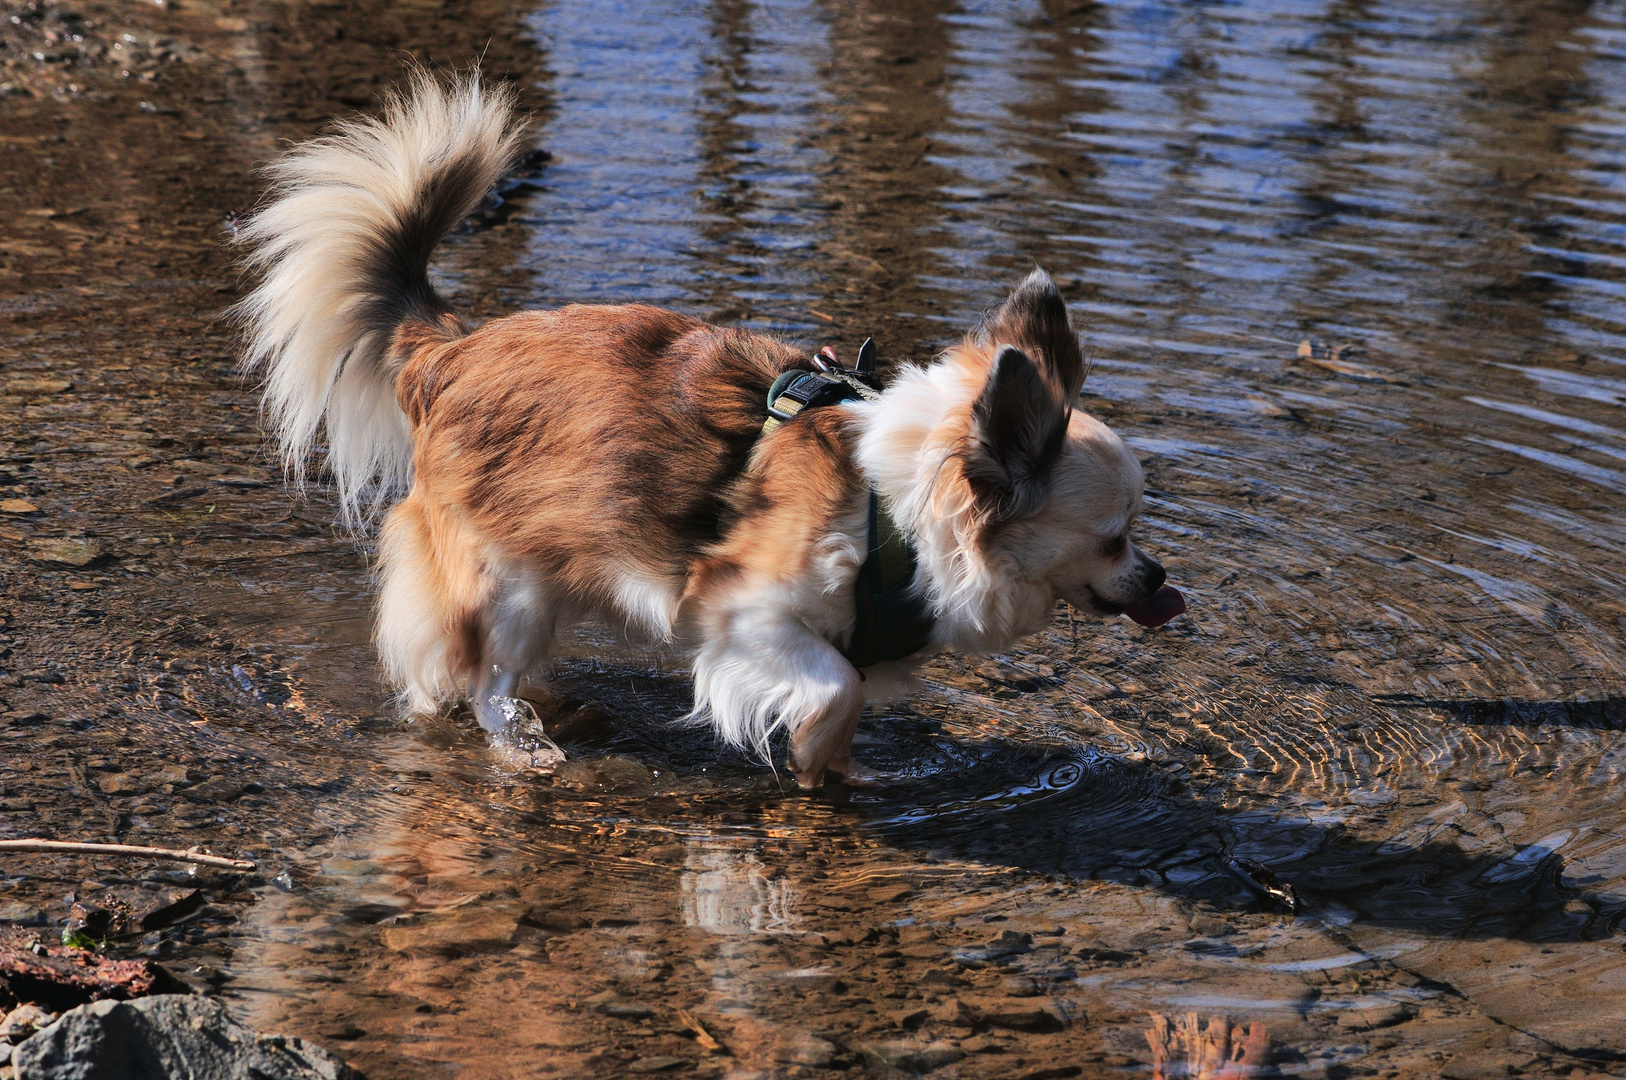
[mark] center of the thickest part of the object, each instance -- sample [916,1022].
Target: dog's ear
[1034,318]
[1018,428]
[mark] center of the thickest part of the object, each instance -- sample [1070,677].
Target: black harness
[893,620]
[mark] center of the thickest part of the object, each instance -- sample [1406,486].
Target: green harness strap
[892,618]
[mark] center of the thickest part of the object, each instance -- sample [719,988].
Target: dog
[612,461]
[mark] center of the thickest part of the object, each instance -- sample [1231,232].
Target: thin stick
[127,849]
[701,1035]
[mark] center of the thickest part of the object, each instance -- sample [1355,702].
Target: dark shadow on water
[1070,811]
[1609,713]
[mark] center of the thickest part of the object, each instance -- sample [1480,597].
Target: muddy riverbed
[1350,275]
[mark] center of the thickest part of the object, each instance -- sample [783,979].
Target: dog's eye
[1115,547]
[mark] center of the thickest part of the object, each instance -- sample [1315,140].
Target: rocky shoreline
[66,1010]
[162,1036]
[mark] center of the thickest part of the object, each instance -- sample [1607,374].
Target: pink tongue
[1158,608]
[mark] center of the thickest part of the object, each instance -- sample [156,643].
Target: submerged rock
[167,1036]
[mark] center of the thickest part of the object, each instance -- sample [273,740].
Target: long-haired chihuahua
[621,462]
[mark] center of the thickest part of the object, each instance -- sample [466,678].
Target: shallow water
[1400,684]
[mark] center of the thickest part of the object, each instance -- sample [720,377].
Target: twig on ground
[127,849]
[701,1035]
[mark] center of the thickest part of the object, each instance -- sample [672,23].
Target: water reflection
[1399,685]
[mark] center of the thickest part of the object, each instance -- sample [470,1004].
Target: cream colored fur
[336,204]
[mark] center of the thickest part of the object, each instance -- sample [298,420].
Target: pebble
[1009,943]
[120,784]
[74,553]
[1021,1017]
[471,930]
[38,386]
[1019,986]
[15,911]
[806,1049]
[17,506]
[23,1021]
[912,1056]
[1378,1016]
[657,1064]
[220,789]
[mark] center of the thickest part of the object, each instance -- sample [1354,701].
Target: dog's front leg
[762,668]
[823,741]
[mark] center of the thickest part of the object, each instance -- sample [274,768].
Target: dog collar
[893,620]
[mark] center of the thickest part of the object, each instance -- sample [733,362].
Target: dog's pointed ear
[1019,425]
[1034,318]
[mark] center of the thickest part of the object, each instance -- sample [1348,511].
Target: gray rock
[1008,944]
[15,911]
[172,1035]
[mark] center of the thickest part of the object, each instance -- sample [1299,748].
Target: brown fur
[800,478]
[589,439]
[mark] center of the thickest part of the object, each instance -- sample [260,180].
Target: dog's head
[1053,490]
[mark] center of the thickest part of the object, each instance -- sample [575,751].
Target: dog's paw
[852,774]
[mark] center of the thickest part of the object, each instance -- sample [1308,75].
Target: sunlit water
[1349,276]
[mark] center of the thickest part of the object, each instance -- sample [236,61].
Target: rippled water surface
[1350,276]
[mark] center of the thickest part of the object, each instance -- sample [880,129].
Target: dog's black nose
[1155,577]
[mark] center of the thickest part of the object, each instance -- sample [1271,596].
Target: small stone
[806,1049]
[1485,1065]
[23,1021]
[471,930]
[17,506]
[911,1056]
[911,1019]
[1009,943]
[38,386]
[21,914]
[959,1013]
[939,977]
[563,921]
[657,1064]
[178,775]
[1021,1017]
[74,553]
[1209,926]
[120,784]
[219,789]
[626,1010]
[1378,1016]
[1019,986]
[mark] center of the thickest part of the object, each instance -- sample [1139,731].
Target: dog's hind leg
[421,608]
[517,626]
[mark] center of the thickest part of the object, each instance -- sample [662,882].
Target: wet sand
[1400,685]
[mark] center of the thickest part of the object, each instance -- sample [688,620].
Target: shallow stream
[1350,275]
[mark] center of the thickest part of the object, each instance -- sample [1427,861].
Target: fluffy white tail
[343,245]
